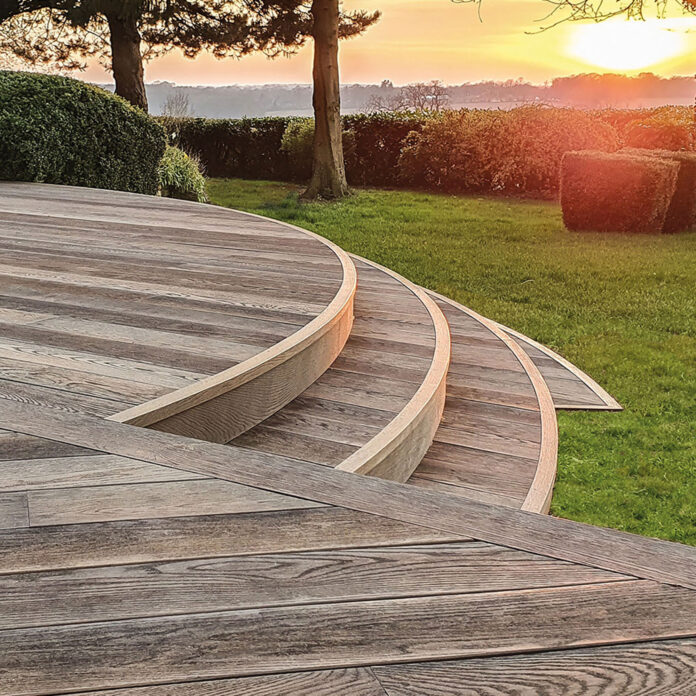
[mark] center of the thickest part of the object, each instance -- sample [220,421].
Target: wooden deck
[135,561]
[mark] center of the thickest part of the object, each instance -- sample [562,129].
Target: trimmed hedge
[62,131]
[517,151]
[603,192]
[252,148]
[247,148]
[682,210]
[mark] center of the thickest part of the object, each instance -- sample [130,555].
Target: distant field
[622,308]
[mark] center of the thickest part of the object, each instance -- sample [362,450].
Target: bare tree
[419,96]
[177,105]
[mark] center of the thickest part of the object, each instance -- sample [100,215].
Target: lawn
[622,308]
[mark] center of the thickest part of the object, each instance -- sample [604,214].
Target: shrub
[681,214]
[180,176]
[616,192]
[297,145]
[670,128]
[516,151]
[372,157]
[249,148]
[62,131]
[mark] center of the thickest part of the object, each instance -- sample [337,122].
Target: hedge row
[252,148]
[516,151]
[63,131]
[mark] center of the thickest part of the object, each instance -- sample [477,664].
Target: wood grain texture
[208,585]
[81,472]
[106,310]
[609,549]
[62,506]
[211,536]
[258,641]
[666,668]
[338,682]
[14,510]
[510,431]
[397,450]
[582,392]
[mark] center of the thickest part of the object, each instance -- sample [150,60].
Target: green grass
[622,308]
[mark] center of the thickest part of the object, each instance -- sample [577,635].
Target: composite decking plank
[58,399]
[83,472]
[262,332]
[20,446]
[218,309]
[338,682]
[306,448]
[487,471]
[94,363]
[250,300]
[661,668]
[121,349]
[258,641]
[214,279]
[14,511]
[164,255]
[78,381]
[210,536]
[62,506]
[564,539]
[481,495]
[223,584]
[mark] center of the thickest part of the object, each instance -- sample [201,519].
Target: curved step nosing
[538,498]
[611,404]
[423,410]
[337,313]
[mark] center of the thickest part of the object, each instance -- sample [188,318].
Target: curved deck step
[571,388]
[376,409]
[498,439]
[181,317]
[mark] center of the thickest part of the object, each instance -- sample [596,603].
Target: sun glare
[627,45]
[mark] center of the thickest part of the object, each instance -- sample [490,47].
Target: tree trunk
[328,169]
[127,60]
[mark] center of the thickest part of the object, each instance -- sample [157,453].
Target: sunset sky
[419,40]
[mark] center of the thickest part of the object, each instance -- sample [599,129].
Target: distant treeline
[592,91]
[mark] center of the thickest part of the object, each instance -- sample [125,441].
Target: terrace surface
[217,553]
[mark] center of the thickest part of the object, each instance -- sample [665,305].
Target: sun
[627,45]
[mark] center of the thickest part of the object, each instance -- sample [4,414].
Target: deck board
[135,562]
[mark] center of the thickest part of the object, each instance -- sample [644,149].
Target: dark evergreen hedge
[603,192]
[62,131]
[250,148]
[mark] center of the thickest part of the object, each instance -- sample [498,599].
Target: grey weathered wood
[338,682]
[609,549]
[19,446]
[205,585]
[666,668]
[14,512]
[211,536]
[238,643]
[80,472]
[152,500]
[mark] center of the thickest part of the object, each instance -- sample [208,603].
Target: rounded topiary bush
[62,131]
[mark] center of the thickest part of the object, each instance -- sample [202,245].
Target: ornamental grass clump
[180,176]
